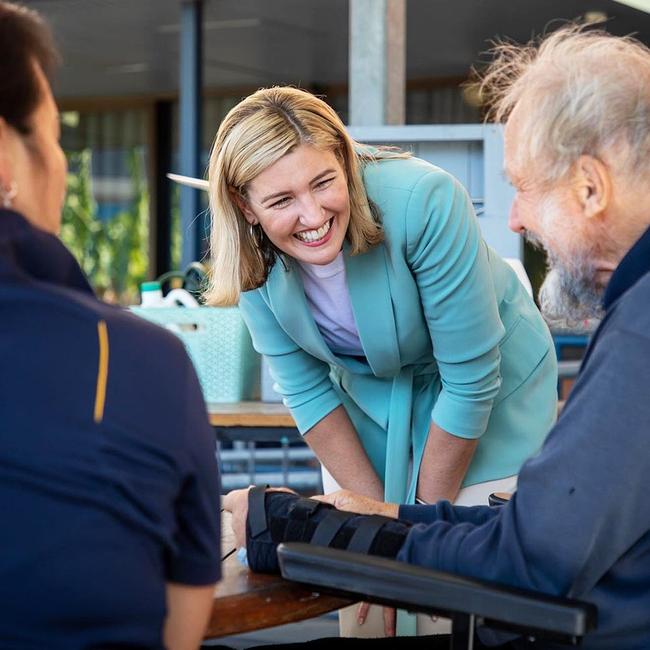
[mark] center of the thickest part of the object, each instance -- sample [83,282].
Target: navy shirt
[579,523]
[108,478]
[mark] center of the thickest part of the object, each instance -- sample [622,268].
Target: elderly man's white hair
[585,92]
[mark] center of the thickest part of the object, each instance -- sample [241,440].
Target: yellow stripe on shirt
[102,371]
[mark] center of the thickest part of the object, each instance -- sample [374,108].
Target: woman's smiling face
[302,203]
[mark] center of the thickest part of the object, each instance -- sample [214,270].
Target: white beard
[570,293]
[569,296]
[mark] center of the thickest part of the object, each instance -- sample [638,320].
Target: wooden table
[245,601]
[250,414]
[255,421]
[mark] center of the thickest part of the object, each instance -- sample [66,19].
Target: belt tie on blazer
[398,439]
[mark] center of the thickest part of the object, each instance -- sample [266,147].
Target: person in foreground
[578,153]
[109,489]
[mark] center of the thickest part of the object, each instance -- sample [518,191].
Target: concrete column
[191,64]
[377,62]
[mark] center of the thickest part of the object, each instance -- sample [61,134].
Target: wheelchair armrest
[414,588]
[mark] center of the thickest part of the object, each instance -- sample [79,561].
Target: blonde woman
[413,361]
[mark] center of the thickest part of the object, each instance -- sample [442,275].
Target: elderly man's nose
[514,221]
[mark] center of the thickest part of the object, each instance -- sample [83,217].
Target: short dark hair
[25,39]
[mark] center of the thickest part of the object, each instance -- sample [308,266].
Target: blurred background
[130,115]
[145,83]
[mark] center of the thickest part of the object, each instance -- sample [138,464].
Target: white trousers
[474,495]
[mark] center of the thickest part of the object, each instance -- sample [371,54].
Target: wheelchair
[471,604]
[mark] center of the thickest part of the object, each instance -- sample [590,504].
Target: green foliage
[113,252]
[176,239]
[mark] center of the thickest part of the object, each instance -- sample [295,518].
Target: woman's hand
[351,502]
[236,503]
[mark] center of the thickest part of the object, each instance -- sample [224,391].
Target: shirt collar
[630,270]
[27,251]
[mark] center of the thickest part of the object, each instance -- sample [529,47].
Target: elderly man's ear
[592,185]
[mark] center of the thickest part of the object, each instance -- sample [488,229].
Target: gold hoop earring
[256,235]
[8,194]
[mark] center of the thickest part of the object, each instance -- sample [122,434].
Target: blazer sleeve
[449,261]
[301,379]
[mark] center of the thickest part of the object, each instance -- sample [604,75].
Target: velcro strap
[303,509]
[327,529]
[365,534]
[257,510]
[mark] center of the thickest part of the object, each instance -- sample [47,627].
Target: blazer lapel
[289,304]
[367,278]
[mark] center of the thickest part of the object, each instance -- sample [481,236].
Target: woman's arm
[337,445]
[444,465]
[302,379]
[188,612]
[457,292]
[451,267]
[304,382]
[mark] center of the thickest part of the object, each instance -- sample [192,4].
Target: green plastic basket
[219,345]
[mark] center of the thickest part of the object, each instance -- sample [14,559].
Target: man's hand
[236,503]
[350,502]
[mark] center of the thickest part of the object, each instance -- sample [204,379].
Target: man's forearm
[444,464]
[290,518]
[337,445]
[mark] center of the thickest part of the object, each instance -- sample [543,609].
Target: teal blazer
[449,334]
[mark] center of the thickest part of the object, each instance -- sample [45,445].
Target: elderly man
[578,153]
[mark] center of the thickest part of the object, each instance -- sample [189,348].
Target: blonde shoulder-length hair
[255,134]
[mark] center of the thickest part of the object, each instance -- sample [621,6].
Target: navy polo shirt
[109,486]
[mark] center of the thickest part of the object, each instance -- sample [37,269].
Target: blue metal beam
[190,126]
